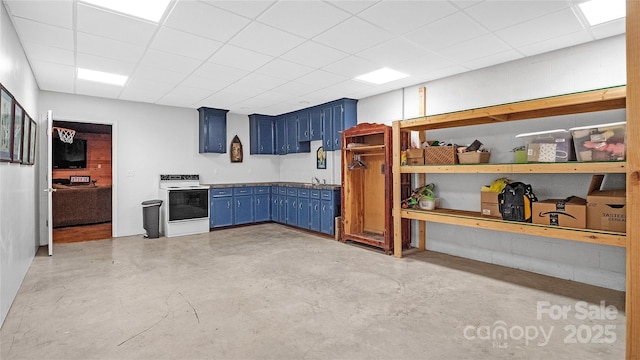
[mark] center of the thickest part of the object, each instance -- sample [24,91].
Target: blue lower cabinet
[314,215]
[282,209]
[221,211]
[275,206]
[262,205]
[303,213]
[292,210]
[329,209]
[243,209]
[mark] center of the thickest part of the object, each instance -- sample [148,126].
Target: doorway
[82,180]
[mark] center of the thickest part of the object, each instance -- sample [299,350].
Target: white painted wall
[584,67]
[18,207]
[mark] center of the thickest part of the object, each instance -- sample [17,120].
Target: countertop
[277,183]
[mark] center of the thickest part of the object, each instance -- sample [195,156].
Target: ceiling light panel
[381,76]
[101,77]
[151,10]
[601,11]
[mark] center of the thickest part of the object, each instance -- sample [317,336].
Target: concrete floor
[272,292]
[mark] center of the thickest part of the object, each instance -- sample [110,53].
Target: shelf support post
[633,180]
[397,193]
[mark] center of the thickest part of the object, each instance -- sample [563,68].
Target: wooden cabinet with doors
[367,187]
[213,130]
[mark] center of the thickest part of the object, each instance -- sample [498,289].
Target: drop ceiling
[272,57]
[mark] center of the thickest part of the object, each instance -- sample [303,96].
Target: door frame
[46,231]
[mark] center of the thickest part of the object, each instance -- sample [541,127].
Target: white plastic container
[603,142]
[549,146]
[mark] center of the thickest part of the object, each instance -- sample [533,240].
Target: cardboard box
[606,209]
[473,157]
[560,212]
[415,157]
[489,204]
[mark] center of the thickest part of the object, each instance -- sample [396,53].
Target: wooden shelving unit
[589,101]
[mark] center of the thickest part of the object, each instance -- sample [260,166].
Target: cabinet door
[213,130]
[303,212]
[327,125]
[221,211]
[315,124]
[262,206]
[326,217]
[281,136]
[314,215]
[292,133]
[275,207]
[292,210]
[261,134]
[337,125]
[303,126]
[243,209]
[282,210]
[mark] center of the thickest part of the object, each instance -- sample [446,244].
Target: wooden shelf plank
[474,219]
[532,168]
[365,148]
[588,101]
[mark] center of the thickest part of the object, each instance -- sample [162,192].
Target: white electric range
[185,205]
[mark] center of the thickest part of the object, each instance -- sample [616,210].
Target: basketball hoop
[65,135]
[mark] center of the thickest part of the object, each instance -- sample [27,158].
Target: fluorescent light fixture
[382,76]
[600,11]
[151,10]
[102,77]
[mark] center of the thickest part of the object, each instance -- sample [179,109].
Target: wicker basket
[440,155]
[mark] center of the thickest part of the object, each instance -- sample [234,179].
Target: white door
[49,190]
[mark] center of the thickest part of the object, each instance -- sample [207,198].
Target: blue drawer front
[326,195]
[243,191]
[274,189]
[261,190]
[282,190]
[221,192]
[292,191]
[303,192]
[315,194]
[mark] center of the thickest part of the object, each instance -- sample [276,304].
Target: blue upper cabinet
[327,127]
[315,124]
[213,130]
[303,126]
[281,136]
[262,134]
[343,115]
[292,133]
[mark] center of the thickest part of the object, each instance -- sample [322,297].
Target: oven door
[188,204]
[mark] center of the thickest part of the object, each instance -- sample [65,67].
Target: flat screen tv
[69,156]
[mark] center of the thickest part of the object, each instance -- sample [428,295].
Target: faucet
[315,181]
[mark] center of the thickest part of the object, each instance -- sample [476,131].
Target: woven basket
[440,155]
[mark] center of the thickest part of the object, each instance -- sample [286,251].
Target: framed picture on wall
[6,118]
[321,158]
[18,115]
[26,124]
[32,142]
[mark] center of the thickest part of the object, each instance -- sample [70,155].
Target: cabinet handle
[238,203]
[323,208]
[306,133]
[228,204]
[294,203]
[258,201]
[316,208]
[300,206]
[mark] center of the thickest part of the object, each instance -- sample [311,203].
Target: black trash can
[151,218]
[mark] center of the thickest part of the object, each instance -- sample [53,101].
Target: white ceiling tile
[223,75]
[480,47]
[108,48]
[104,23]
[321,79]
[393,52]
[314,55]
[221,100]
[345,88]
[353,35]
[188,92]
[49,54]
[496,15]
[446,32]
[419,65]
[205,20]
[544,28]
[97,89]
[493,59]
[103,64]
[294,88]
[57,13]
[34,32]
[181,43]
[351,67]
[162,60]
[400,17]
[240,87]
[259,82]
[159,75]
[463,4]
[303,18]
[204,83]
[246,8]
[175,100]
[54,77]
[351,6]
[233,56]
[144,90]
[272,97]
[284,69]
[556,43]
[266,40]
[610,28]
